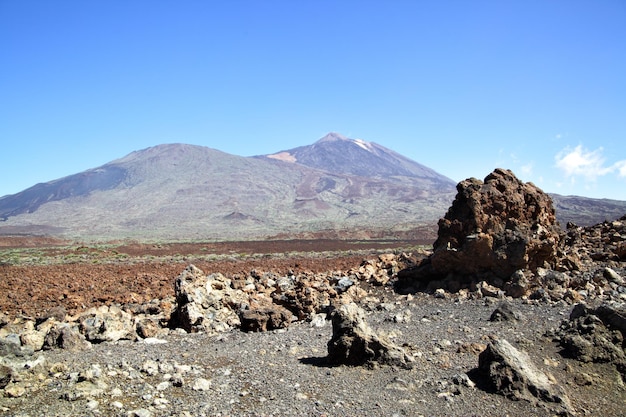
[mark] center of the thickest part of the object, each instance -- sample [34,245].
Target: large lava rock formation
[493,228]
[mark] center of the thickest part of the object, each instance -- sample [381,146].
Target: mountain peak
[331,137]
[339,154]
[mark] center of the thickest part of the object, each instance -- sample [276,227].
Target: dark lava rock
[510,372]
[595,335]
[492,229]
[505,312]
[354,342]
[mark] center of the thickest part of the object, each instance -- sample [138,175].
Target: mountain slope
[336,186]
[337,154]
[182,191]
[585,211]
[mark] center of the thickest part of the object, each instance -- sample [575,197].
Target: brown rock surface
[40,276]
[497,226]
[494,228]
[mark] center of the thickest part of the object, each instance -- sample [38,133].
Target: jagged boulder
[261,319]
[107,324]
[596,335]
[206,303]
[355,343]
[494,228]
[499,225]
[64,336]
[304,295]
[510,372]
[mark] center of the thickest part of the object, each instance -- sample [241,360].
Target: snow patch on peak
[363,144]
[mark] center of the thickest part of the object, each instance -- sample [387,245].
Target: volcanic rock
[355,343]
[107,324]
[147,327]
[64,336]
[596,335]
[492,229]
[265,318]
[505,312]
[206,303]
[499,225]
[6,375]
[511,372]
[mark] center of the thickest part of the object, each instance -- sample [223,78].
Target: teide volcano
[340,155]
[179,191]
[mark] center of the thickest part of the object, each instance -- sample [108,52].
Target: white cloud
[585,163]
[527,169]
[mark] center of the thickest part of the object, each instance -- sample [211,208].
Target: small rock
[154,341]
[488,290]
[6,375]
[65,337]
[201,384]
[33,339]
[177,380]
[613,276]
[505,312]
[399,384]
[58,313]
[265,318]
[473,348]
[440,293]
[583,379]
[147,328]
[464,380]
[14,390]
[318,320]
[343,284]
[140,412]
[301,396]
[163,386]
[150,367]
[107,324]
[403,317]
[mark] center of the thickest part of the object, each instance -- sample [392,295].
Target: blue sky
[538,87]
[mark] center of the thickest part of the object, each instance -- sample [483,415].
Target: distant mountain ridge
[179,191]
[336,187]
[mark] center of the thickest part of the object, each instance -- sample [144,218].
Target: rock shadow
[318,361]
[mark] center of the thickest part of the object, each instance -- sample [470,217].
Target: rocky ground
[285,371]
[39,274]
[508,315]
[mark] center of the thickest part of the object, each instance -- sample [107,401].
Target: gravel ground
[283,372]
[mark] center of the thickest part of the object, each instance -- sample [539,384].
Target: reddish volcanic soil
[133,272]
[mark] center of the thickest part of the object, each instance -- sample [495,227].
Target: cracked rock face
[355,343]
[500,225]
